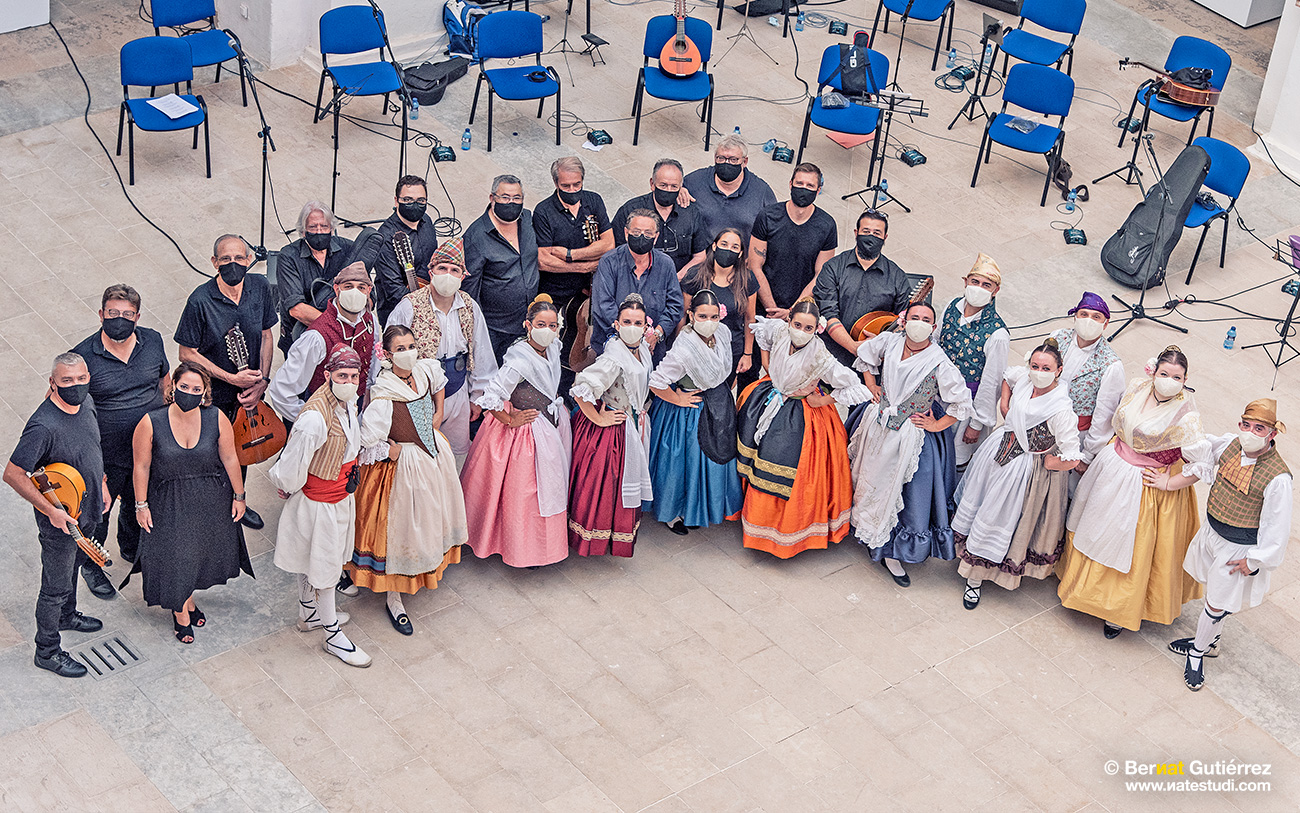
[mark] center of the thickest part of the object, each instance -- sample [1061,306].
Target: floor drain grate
[109,655]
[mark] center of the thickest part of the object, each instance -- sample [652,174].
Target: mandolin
[63,486]
[1177,92]
[877,322]
[406,258]
[680,56]
[258,431]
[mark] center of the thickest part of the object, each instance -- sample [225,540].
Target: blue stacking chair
[512,35]
[927,11]
[154,62]
[210,47]
[655,82]
[1060,16]
[854,119]
[1228,170]
[352,30]
[1038,89]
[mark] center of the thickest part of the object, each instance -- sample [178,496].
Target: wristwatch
[568,255]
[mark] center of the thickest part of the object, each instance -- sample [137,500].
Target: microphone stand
[977,98]
[563,47]
[259,250]
[403,94]
[902,35]
[1132,173]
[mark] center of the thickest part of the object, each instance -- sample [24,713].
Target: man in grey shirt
[857,282]
[501,260]
[727,194]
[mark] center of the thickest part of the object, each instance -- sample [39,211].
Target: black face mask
[640,244]
[318,242]
[186,400]
[75,394]
[118,328]
[869,245]
[232,273]
[665,198]
[725,257]
[727,172]
[802,197]
[569,198]
[507,212]
[412,212]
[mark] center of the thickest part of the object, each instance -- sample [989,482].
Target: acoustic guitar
[877,322]
[63,486]
[258,431]
[406,257]
[1177,92]
[680,57]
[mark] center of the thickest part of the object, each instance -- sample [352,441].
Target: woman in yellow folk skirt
[1134,512]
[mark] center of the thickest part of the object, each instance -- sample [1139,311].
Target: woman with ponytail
[517,476]
[725,273]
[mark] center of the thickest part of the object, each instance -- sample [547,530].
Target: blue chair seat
[210,48]
[148,117]
[513,83]
[926,10]
[366,79]
[854,119]
[1029,47]
[674,88]
[1170,110]
[1200,215]
[1038,140]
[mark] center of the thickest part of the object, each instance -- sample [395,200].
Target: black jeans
[57,601]
[121,486]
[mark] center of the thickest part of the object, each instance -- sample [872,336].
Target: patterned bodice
[921,400]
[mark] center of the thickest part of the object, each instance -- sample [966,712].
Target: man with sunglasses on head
[501,262]
[728,194]
[682,236]
[858,281]
[409,218]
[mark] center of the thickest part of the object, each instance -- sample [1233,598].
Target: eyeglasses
[725,159]
[412,200]
[652,235]
[509,198]
[116,314]
[669,242]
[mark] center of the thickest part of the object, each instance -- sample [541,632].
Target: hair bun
[1052,342]
[541,298]
[633,297]
[1173,347]
[806,299]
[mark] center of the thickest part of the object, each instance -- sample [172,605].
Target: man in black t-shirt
[306,270]
[61,430]
[410,202]
[682,236]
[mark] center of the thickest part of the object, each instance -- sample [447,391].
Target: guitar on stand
[406,258]
[680,56]
[63,486]
[259,433]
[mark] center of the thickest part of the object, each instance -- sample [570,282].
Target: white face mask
[918,331]
[631,334]
[1087,329]
[543,336]
[1168,387]
[978,297]
[445,284]
[797,337]
[1250,442]
[353,300]
[347,393]
[1042,379]
[405,359]
[705,328]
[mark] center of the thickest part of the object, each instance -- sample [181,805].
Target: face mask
[640,243]
[1168,387]
[73,395]
[232,273]
[918,331]
[725,257]
[412,212]
[187,400]
[353,300]
[406,359]
[797,337]
[318,242]
[978,297]
[631,334]
[543,336]
[869,245]
[569,198]
[727,172]
[445,284]
[507,212]
[347,393]
[1041,379]
[802,197]
[1087,329]
[705,329]
[1250,442]
[664,197]
[118,328]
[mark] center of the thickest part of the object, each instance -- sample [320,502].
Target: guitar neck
[53,498]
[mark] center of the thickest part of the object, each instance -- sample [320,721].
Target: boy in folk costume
[1095,374]
[317,473]
[449,326]
[1244,540]
[975,339]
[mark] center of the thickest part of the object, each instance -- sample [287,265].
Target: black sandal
[184,632]
[197,618]
[678,527]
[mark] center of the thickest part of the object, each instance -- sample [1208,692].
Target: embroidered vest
[413,423]
[964,344]
[922,399]
[428,330]
[360,338]
[328,461]
[1237,496]
[1084,386]
[1040,440]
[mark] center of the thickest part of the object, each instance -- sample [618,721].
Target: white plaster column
[1277,118]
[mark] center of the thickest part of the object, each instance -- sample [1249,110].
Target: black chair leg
[195,145]
[636,107]
[1223,247]
[243,83]
[218,79]
[207,144]
[1069,66]
[979,157]
[540,104]
[708,125]
[1209,125]
[721,7]
[1123,131]
[952,21]
[934,61]
[875,23]
[1053,160]
[807,125]
[491,96]
[1196,122]
[1204,231]
[474,104]
[121,121]
[557,116]
[875,153]
[130,151]
[402,152]
[320,94]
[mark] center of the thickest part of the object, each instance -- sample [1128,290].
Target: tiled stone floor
[696,676]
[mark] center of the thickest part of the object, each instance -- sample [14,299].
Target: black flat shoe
[197,618]
[97,581]
[1194,678]
[1183,646]
[252,520]
[902,581]
[1110,632]
[61,664]
[82,623]
[182,632]
[402,623]
[678,527]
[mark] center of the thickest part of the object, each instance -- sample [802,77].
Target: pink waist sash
[1155,460]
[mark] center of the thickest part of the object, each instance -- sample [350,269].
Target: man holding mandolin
[62,430]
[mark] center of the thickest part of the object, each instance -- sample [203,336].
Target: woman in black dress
[189,499]
[725,272]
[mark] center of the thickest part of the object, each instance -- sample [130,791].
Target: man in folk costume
[347,320]
[975,339]
[1094,372]
[317,473]
[1236,551]
[449,327]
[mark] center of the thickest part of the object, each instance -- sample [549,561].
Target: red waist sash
[330,491]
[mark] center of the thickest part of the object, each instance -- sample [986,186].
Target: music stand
[993,32]
[264,134]
[892,103]
[744,32]
[1283,342]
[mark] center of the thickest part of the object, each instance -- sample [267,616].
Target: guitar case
[1137,254]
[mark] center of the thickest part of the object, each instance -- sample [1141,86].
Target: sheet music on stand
[173,106]
[1287,253]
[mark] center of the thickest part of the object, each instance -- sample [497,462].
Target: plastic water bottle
[1070,201]
[952,58]
[1231,339]
[736,132]
[769,145]
[988,55]
[798,22]
[415,108]
[464,139]
[884,185]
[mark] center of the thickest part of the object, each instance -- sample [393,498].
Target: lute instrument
[877,322]
[406,258]
[258,431]
[680,56]
[1177,92]
[63,486]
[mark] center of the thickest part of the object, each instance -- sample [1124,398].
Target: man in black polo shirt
[233,297]
[61,430]
[857,282]
[682,236]
[306,270]
[128,375]
[727,193]
[501,261]
[410,201]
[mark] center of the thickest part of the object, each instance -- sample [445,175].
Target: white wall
[16,14]
[1277,118]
